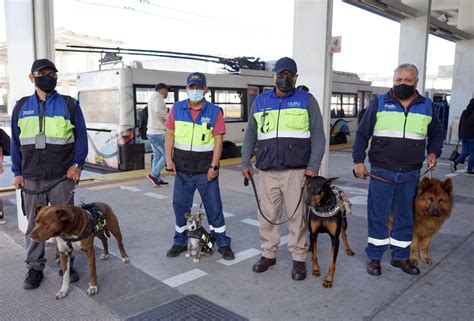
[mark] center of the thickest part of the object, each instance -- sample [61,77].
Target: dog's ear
[38,209]
[63,215]
[447,185]
[187,215]
[331,179]
[424,185]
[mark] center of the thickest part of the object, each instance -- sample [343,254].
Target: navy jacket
[393,154]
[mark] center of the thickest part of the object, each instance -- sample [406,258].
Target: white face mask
[195,95]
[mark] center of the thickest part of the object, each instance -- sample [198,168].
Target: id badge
[40,141]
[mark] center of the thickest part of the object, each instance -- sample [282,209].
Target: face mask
[284,84]
[403,91]
[46,83]
[195,95]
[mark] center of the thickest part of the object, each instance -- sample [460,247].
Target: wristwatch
[215,167]
[78,166]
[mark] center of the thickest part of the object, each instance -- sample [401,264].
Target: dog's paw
[104,256]
[187,255]
[316,273]
[427,260]
[350,252]
[195,260]
[327,284]
[126,260]
[61,294]
[92,290]
[414,262]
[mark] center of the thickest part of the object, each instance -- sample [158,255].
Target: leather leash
[392,182]
[246,183]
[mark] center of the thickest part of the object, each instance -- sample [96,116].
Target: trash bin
[131,157]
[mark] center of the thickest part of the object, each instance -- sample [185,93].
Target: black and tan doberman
[327,207]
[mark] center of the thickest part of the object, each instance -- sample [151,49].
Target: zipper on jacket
[278,123]
[405,111]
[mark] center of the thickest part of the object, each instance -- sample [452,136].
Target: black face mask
[46,83]
[284,84]
[403,91]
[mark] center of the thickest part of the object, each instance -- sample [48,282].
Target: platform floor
[443,291]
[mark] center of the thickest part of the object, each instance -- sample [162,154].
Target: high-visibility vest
[194,141]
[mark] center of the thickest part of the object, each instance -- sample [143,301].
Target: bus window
[230,100]
[100,106]
[343,105]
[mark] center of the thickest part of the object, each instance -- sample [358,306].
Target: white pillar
[463,72]
[414,39]
[311,43]
[31,39]
[30,36]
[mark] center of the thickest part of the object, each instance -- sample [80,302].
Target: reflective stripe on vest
[57,129]
[194,136]
[282,117]
[392,122]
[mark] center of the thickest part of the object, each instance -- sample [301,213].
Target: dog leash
[246,183]
[45,189]
[392,182]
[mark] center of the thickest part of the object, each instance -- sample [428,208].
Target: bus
[112,101]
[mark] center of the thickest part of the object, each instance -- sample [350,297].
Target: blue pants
[184,187]
[467,151]
[397,198]
[157,143]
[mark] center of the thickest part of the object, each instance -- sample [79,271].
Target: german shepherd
[327,214]
[433,206]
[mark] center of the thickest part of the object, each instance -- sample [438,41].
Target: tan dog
[433,206]
[71,222]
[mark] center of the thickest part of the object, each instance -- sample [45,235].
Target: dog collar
[342,203]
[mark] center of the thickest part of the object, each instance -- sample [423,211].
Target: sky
[262,28]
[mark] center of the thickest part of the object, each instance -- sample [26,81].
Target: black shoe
[176,250]
[406,266]
[73,275]
[263,264]
[452,166]
[470,173]
[162,182]
[227,253]
[373,267]
[299,271]
[33,279]
[153,180]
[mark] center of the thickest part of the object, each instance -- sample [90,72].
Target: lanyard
[42,121]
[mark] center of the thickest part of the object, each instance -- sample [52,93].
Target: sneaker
[2,219]
[470,173]
[162,182]
[176,250]
[227,253]
[453,166]
[33,279]
[73,275]
[153,180]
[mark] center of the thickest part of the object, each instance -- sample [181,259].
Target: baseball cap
[40,64]
[161,86]
[196,78]
[285,63]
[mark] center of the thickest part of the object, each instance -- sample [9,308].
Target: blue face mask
[195,95]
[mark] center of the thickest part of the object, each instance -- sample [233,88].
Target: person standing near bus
[156,132]
[286,126]
[194,142]
[49,148]
[401,126]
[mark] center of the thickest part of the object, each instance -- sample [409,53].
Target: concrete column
[463,72]
[30,36]
[414,39]
[311,44]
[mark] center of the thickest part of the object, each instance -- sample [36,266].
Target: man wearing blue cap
[286,126]
[194,140]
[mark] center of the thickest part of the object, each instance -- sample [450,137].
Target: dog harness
[96,224]
[342,203]
[207,240]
